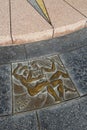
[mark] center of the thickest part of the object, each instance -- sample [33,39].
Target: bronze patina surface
[40,82]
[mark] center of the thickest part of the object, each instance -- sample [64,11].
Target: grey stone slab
[5,90]
[71,115]
[12,54]
[57,45]
[76,64]
[25,121]
[39,49]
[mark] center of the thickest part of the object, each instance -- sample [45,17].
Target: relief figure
[54,81]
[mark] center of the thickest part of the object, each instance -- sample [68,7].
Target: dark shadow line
[38,122]
[10,20]
[75,8]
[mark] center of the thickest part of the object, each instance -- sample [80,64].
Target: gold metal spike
[43,8]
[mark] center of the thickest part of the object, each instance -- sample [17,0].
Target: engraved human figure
[26,81]
[53,81]
[26,78]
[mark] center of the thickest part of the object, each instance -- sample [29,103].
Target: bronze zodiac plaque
[39,83]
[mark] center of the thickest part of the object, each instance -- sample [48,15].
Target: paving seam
[38,121]
[53,31]
[48,107]
[54,53]
[75,8]
[72,49]
[10,21]
[75,99]
[69,77]
[12,90]
[30,111]
[36,110]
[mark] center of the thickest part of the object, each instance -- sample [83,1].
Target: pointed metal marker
[40,8]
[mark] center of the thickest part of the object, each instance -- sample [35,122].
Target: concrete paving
[36,20]
[45,87]
[43,65]
[5,34]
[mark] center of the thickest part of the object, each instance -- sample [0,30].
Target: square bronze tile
[39,83]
